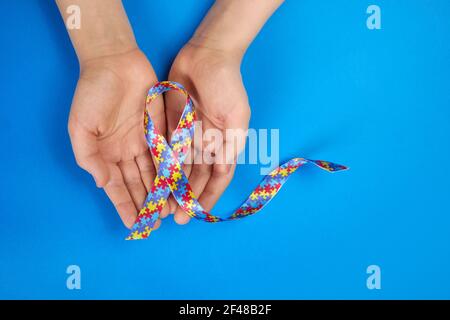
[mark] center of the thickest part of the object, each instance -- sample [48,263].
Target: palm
[106,130]
[118,124]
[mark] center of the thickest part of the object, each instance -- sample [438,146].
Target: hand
[106,128]
[213,79]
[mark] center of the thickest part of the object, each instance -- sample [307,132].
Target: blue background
[376,100]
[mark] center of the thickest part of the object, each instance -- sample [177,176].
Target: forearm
[104,30]
[231,25]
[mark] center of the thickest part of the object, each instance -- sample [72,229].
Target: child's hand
[209,67]
[106,128]
[213,79]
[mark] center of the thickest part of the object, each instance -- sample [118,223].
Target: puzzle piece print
[171,178]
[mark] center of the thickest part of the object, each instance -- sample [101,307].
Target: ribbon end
[329,166]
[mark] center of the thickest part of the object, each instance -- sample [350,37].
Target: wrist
[131,67]
[100,49]
[217,45]
[222,30]
[230,26]
[103,31]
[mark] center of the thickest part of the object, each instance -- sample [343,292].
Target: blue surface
[376,100]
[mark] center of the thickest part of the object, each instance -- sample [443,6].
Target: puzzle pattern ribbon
[171,178]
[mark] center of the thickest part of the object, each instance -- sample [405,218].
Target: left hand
[213,79]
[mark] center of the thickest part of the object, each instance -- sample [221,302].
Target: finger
[157,224]
[133,181]
[198,179]
[223,170]
[165,211]
[220,179]
[87,155]
[233,146]
[146,169]
[172,206]
[117,191]
[174,103]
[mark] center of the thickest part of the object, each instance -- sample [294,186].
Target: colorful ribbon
[171,178]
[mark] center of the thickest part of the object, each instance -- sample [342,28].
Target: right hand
[106,128]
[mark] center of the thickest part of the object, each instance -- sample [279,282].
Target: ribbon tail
[328,166]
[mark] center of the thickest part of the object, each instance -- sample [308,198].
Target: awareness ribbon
[171,178]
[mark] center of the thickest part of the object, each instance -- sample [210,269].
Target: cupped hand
[213,79]
[106,128]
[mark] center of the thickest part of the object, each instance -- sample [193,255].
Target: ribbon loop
[171,178]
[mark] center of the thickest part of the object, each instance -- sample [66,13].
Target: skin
[209,67]
[105,122]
